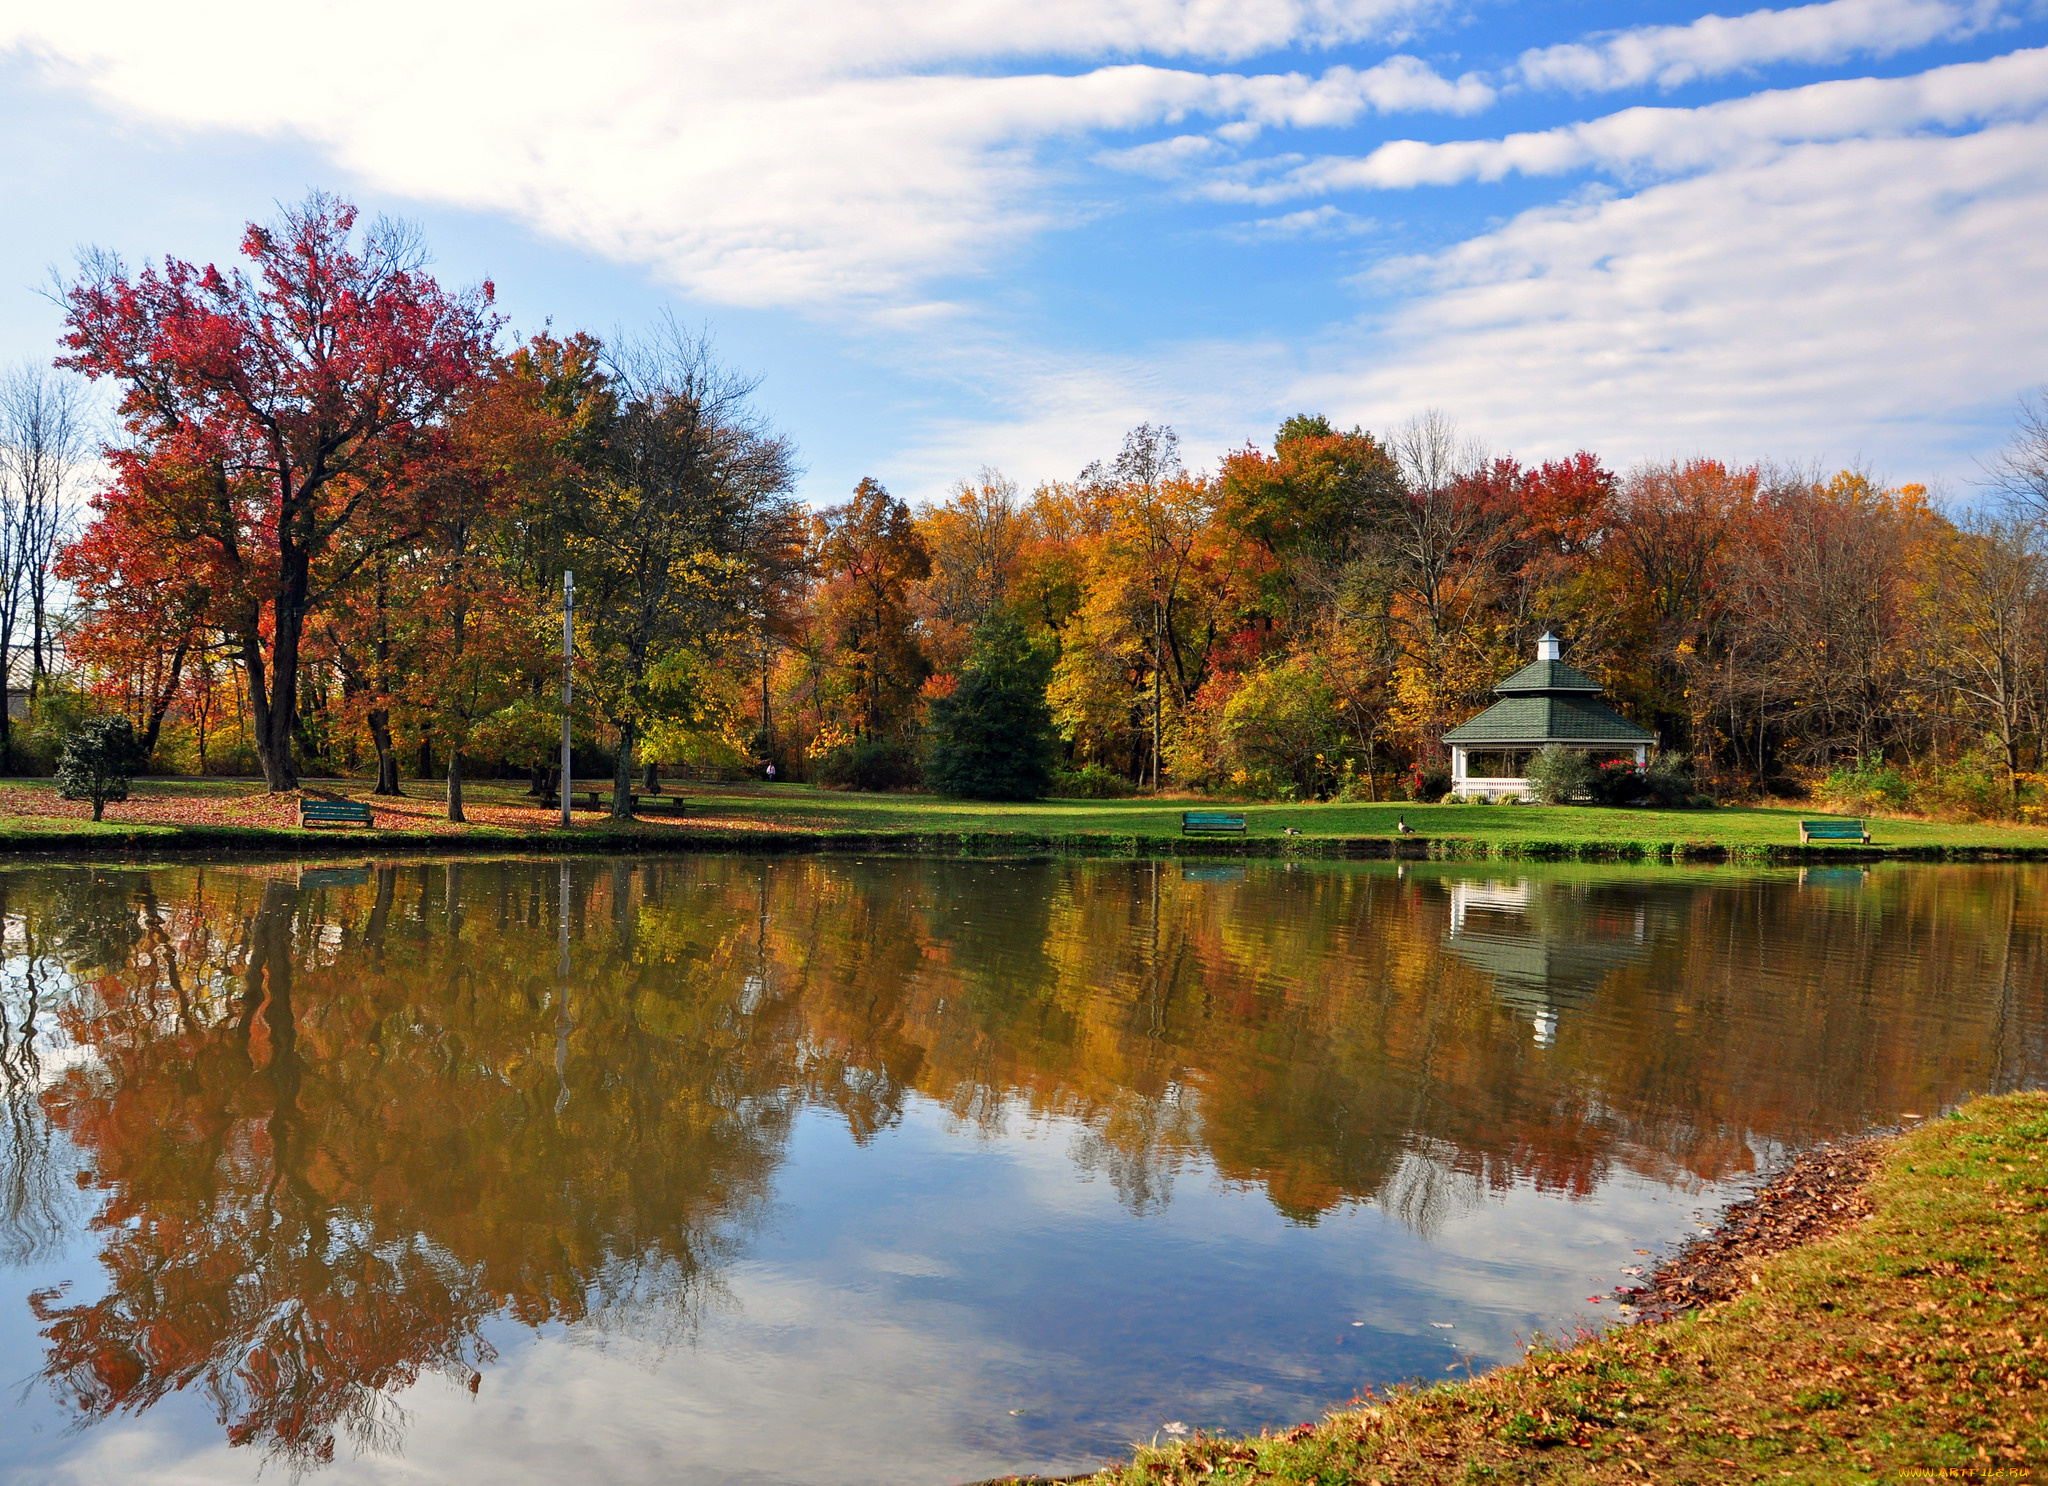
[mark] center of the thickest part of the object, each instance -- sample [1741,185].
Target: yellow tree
[975,538]
[690,484]
[1985,611]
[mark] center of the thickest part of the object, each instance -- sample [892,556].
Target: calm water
[825,1170]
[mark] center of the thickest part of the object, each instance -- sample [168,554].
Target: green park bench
[314,813]
[1833,830]
[1211,823]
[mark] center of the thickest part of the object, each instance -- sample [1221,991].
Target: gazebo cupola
[1546,702]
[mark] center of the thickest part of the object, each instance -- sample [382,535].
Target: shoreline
[1869,1311]
[212,817]
[606,840]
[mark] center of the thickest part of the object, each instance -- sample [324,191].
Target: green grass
[800,807]
[770,815]
[1907,1345]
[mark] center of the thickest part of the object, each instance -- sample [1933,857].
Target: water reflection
[1546,948]
[323,1126]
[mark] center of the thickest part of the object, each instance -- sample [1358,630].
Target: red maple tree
[282,426]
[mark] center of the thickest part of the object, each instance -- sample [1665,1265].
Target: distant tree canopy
[355,558]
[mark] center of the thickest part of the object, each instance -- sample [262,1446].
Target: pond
[741,1169]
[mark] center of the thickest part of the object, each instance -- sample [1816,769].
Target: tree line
[334,532]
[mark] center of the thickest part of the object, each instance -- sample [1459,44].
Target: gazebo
[1545,702]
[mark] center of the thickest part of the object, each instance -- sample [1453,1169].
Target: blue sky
[954,234]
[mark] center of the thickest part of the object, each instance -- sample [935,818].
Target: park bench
[1211,823]
[314,813]
[1833,830]
[590,793]
[598,796]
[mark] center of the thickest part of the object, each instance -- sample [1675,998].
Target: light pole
[568,656]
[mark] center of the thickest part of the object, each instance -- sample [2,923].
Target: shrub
[1974,785]
[1429,785]
[870,764]
[1091,783]
[1618,782]
[1669,782]
[98,760]
[38,741]
[991,738]
[1867,785]
[1558,774]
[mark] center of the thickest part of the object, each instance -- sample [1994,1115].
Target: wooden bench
[599,797]
[1833,830]
[314,813]
[1211,823]
[552,800]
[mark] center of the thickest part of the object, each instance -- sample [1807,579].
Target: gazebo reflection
[1544,946]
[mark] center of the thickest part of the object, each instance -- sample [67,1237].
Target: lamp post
[568,656]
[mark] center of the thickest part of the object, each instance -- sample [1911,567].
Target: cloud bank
[1848,265]
[773,153]
[1713,46]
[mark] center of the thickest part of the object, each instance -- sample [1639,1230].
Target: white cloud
[1873,298]
[1666,140]
[767,153]
[1315,221]
[1869,297]
[1715,45]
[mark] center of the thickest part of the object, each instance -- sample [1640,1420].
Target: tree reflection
[336,1122]
[330,1144]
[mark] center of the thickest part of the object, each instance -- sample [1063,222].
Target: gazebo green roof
[1548,676]
[1548,701]
[1527,721]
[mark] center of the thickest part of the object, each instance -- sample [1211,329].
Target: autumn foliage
[342,515]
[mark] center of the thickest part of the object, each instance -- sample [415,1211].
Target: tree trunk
[266,711]
[455,786]
[650,778]
[622,776]
[426,758]
[279,771]
[160,704]
[37,670]
[1158,680]
[275,700]
[98,807]
[379,720]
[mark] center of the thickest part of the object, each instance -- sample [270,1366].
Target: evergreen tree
[992,739]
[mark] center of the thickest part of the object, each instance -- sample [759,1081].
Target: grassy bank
[1906,1345]
[218,814]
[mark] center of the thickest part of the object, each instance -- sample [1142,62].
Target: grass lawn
[801,807]
[1906,1346]
[228,812]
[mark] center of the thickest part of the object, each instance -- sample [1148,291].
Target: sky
[953,233]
